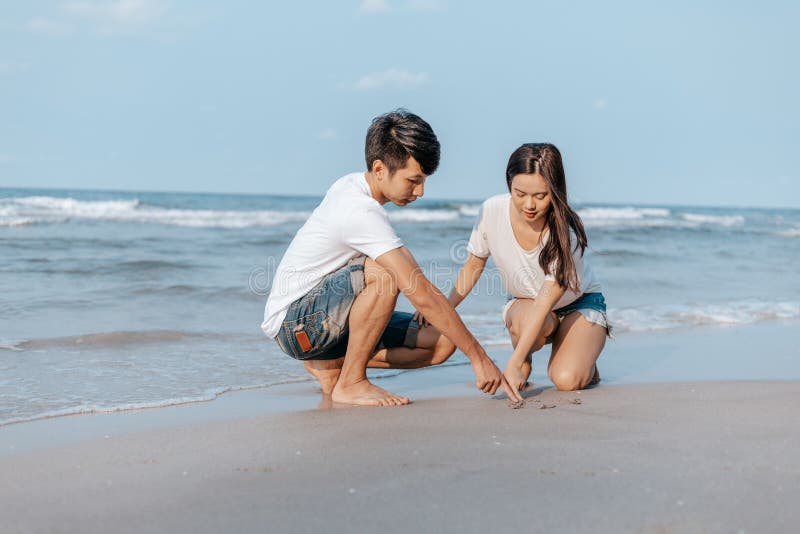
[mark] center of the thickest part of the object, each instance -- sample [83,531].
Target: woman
[538,244]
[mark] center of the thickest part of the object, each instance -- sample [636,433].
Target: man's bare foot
[365,393]
[326,372]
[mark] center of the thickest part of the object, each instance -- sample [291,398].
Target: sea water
[119,300]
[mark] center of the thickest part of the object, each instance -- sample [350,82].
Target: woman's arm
[467,278]
[550,293]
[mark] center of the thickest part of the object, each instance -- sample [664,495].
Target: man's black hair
[398,135]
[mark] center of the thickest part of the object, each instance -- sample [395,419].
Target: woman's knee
[568,379]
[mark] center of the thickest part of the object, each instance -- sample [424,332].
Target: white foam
[677,316]
[792,232]
[469,210]
[82,409]
[52,210]
[422,215]
[631,217]
[622,213]
[722,220]
[490,331]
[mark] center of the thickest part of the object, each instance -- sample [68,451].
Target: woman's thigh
[516,317]
[576,346]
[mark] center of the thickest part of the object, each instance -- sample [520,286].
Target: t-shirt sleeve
[478,241]
[367,230]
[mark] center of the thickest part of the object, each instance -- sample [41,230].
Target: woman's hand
[422,322]
[515,377]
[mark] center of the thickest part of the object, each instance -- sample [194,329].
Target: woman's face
[530,195]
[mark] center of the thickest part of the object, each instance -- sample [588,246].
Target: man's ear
[377,168]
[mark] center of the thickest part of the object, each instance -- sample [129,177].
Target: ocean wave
[25,211]
[85,409]
[489,329]
[423,215]
[628,213]
[792,232]
[722,220]
[33,210]
[469,210]
[103,340]
[631,217]
[667,317]
[205,396]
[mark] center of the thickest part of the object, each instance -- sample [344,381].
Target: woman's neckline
[542,235]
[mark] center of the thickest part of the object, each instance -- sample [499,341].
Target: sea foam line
[51,210]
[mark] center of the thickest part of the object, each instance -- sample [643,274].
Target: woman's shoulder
[496,203]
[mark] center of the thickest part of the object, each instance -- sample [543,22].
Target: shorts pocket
[309,336]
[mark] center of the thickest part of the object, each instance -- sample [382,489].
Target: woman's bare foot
[525,370]
[595,378]
[365,393]
[326,372]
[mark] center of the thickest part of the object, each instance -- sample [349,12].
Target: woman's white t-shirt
[519,268]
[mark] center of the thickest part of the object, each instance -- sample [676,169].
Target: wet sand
[689,457]
[711,454]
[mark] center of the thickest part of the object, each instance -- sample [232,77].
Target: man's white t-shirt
[519,268]
[348,223]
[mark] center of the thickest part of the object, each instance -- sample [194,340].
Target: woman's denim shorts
[591,305]
[316,326]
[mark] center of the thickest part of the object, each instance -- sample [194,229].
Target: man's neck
[374,190]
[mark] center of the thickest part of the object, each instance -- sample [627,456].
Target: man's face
[405,185]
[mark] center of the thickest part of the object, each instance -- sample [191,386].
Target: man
[332,299]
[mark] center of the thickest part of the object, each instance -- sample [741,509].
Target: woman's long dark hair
[545,159]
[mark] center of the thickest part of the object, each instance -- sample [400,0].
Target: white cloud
[394,78]
[600,104]
[373,6]
[328,134]
[103,16]
[44,26]
[5,158]
[117,12]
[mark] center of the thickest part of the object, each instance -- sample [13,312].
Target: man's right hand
[489,378]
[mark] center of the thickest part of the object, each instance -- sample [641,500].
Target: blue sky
[658,103]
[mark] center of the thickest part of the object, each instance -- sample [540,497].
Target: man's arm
[425,297]
[467,278]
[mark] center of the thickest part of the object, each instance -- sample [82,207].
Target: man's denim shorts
[316,326]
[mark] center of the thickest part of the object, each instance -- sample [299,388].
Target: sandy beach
[705,457]
[685,456]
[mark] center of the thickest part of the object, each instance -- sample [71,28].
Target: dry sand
[689,457]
